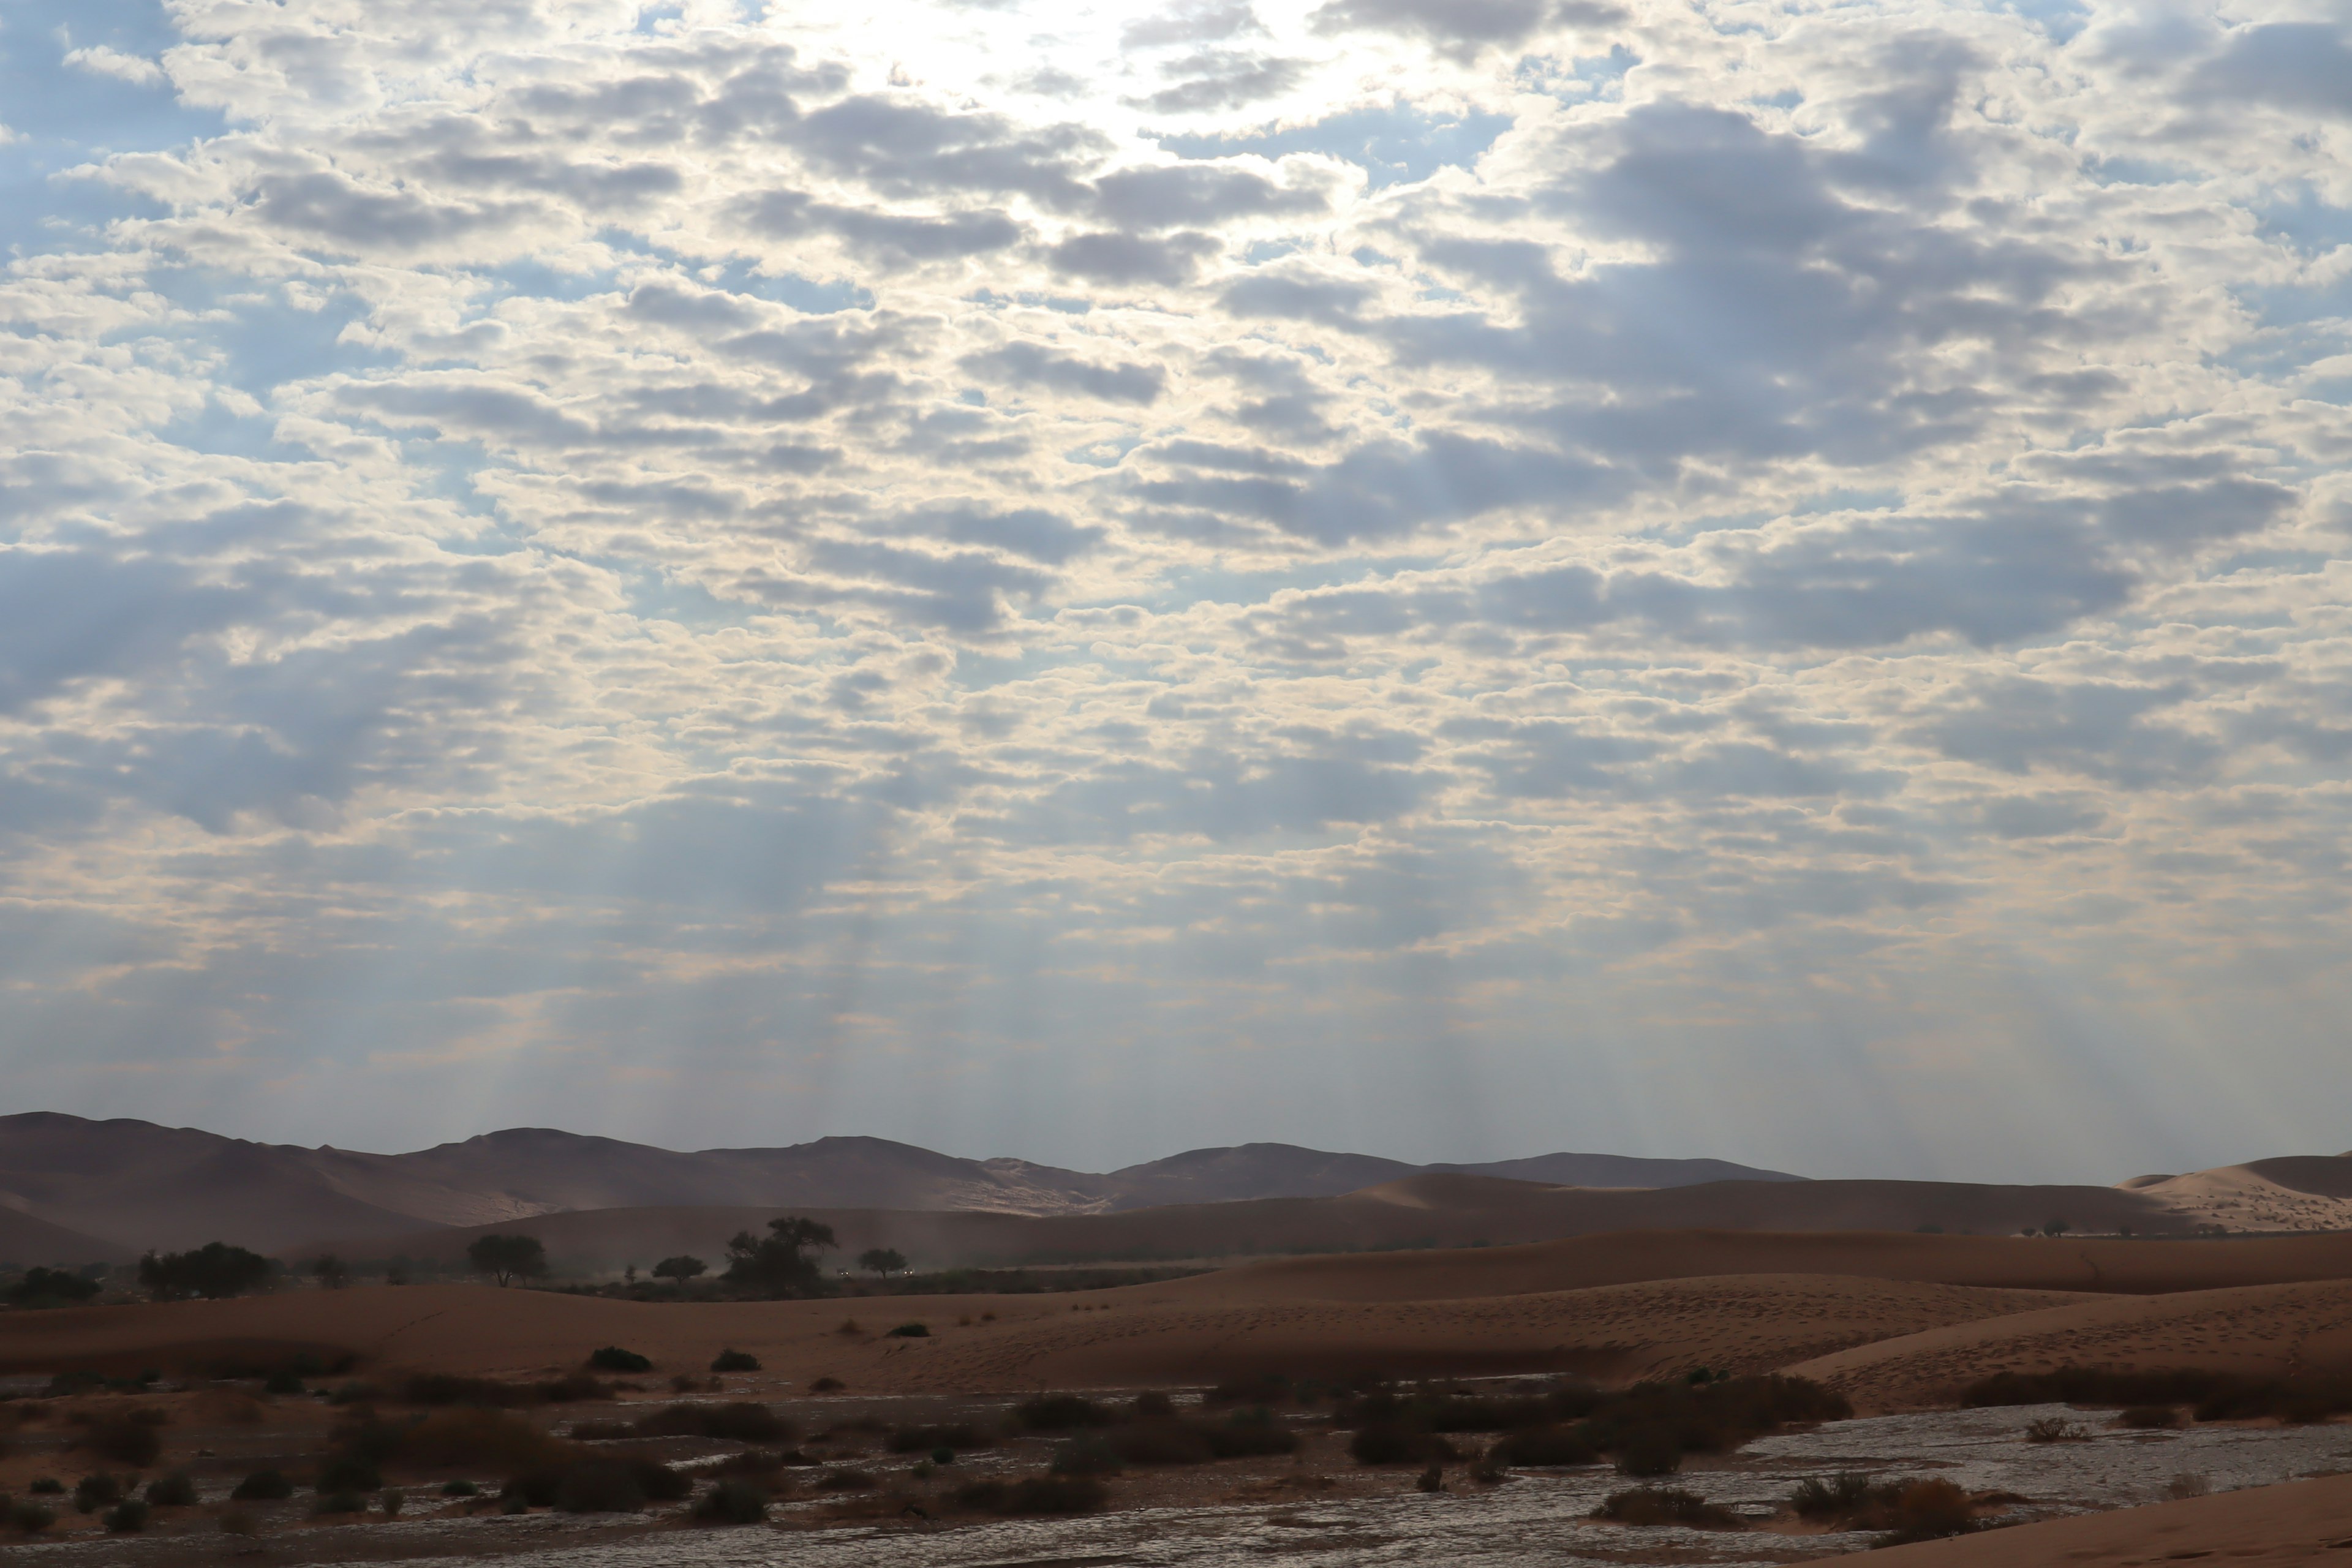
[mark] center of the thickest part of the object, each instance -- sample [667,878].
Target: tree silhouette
[680,1268]
[508,1257]
[778,1263]
[882,1261]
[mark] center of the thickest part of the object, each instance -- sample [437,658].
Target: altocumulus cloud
[1673,578]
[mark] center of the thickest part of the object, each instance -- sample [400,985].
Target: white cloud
[99,60]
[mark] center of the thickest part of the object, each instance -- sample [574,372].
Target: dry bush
[2150,1417]
[2057,1429]
[227,1408]
[476,1439]
[743,1422]
[1666,1505]
[2187,1485]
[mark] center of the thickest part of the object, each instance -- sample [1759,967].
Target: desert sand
[2271,1526]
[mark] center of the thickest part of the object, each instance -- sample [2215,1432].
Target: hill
[1419,1212]
[135,1185]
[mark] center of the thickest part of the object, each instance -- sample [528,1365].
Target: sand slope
[2295,1193]
[2303,1522]
[1429,1210]
[2264,1330]
[1113,1338]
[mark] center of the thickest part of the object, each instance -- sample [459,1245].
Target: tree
[212,1270]
[882,1261]
[508,1257]
[2056,1227]
[680,1270]
[331,1271]
[51,1288]
[778,1263]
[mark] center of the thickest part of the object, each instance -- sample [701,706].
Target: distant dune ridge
[79,1191]
[133,1185]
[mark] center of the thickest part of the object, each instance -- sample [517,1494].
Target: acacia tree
[679,1270]
[331,1271]
[508,1257]
[883,1261]
[212,1270]
[778,1263]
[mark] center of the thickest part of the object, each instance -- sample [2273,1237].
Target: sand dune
[2297,1193]
[26,1240]
[2303,1522]
[1115,1337]
[2262,1331]
[1428,1210]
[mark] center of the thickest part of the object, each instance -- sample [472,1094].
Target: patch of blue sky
[1068,305]
[263,341]
[63,116]
[654,19]
[657,596]
[2137,172]
[1397,144]
[1880,500]
[222,432]
[2060,20]
[531,278]
[445,470]
[2308,223]
[809,296]
[2285,305]
[1581,80]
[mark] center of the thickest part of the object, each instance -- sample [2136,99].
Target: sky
[1446,578]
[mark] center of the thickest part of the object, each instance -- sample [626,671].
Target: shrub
[94,1492]
[1034,1495]
[129,1439]
[1930,1510]
[393,1501]
[30,1518]
[239,1521]
[1085,1455]
[926,1439]
[212,1270]
[2186,1485]
[613,1358]
[1432,1479]
[910,1331]
[1265,1388]
[475,1438]
[1394,1443]
[731,1502]
[47,1486]
[1544,1445]
[1151,1404]
[45,1287]
[126,1518]
[735,1361]
[599,1486]
[1059,1413]
[827,1385]
[1666,1505]
[1649,1451]
[460,1488]
[175,1491]
[338,1502]
[2055,1429]
[348,1472]
[1249,1434]
[1843,1496]
[847,1478]
[2150,1417]
[263,1486]
[744,1422]
[437,1389]
[1162,1443]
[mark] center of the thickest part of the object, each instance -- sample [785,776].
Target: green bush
[731,1502]
[30,1518]
[46,1287]
[736,1361]
[175,1491]
[1666,1505]
[460,1488]
[1059,1413]
[263,1486]
[96,1491]
[47,1486]
[910,1331]
[1649,1451]
[613,1358]
[126,1518]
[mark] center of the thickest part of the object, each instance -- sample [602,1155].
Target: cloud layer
[1449,580]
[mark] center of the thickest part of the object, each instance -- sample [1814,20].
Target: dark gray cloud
[1032,364]
[2292,65]
[2103,730]
[1463,28]
[891,236]
[1119,258]
[1222,78]
[1193,195]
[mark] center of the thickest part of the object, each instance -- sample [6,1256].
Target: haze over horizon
[1741,579]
